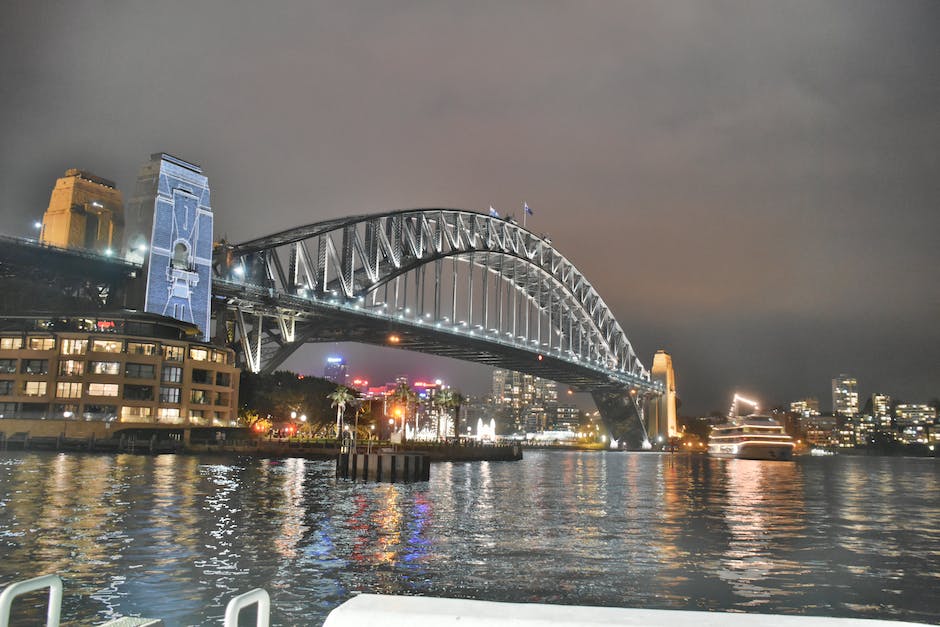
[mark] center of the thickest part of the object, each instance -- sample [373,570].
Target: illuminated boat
[751,437]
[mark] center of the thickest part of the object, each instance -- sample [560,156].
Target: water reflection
[177,536]
[764,513]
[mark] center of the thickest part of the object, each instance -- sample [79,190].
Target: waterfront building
[567,418]
[85,211]
[114,367]
[914,422]
[336,370]
[661,417]
[516,394]
[845,396]
[881,410]
[820,430]
[805,407]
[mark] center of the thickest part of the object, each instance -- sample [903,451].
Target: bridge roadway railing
[270,303]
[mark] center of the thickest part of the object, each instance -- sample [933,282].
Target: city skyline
[749,187]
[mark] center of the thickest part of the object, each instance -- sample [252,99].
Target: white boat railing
[53,612]
[258,597]
[406,611]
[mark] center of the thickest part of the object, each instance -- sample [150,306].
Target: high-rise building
[85,211]
[845,396]
[915,421]
[169,230]
[661,418]
[881,410]
[524,399]
[805,407]
[336,370]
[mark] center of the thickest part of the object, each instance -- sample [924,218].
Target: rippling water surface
[176,536]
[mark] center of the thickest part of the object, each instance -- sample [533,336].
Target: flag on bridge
[493,212]
[526,212]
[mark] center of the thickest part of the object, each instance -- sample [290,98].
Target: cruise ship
[751,437]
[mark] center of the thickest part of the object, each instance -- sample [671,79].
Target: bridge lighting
[108,252]
[238,271]
[37,225]
[540,358]
[393,339]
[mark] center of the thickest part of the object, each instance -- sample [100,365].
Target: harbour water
[176,536]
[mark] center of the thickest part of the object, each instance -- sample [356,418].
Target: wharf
[148,438]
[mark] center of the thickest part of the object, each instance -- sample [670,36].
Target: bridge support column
[620,416]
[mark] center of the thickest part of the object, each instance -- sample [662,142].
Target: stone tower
[169,230]
[662,411]
[85,211]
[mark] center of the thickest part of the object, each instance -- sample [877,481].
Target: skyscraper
[805,407]
[336,370]
[85,211]
[524,398]
[881,410]
[845,396]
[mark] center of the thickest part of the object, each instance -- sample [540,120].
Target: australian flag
[525,207]
[493,212]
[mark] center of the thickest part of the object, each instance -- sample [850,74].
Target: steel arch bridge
[446,282]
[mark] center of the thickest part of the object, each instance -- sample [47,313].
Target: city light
[393,339]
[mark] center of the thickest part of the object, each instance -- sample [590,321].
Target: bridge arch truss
[481,280]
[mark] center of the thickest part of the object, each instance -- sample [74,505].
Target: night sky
[752,186]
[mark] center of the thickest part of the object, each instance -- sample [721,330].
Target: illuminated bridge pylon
[441,281]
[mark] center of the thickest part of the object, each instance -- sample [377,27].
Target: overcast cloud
[752,186]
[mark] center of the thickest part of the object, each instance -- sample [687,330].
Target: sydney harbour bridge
[445,282]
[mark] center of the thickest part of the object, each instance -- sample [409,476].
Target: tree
[341,397]
[457,399]
[404,396]
[444,402]
[251,419]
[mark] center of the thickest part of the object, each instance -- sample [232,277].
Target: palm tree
[457,399]
[341,397]
[442,401]
[404,396]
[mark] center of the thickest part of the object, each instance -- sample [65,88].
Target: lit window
[171,374]
[103,389]
[172,353]
[196,416]
[135,414]
[141,348]
[41,343]
[71,368]
[198,354]
[104,367]
[68,390]
[35,388]
[169,414]
[218,357]
[11,343]
[107,346]
[74,347]
[199,397]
